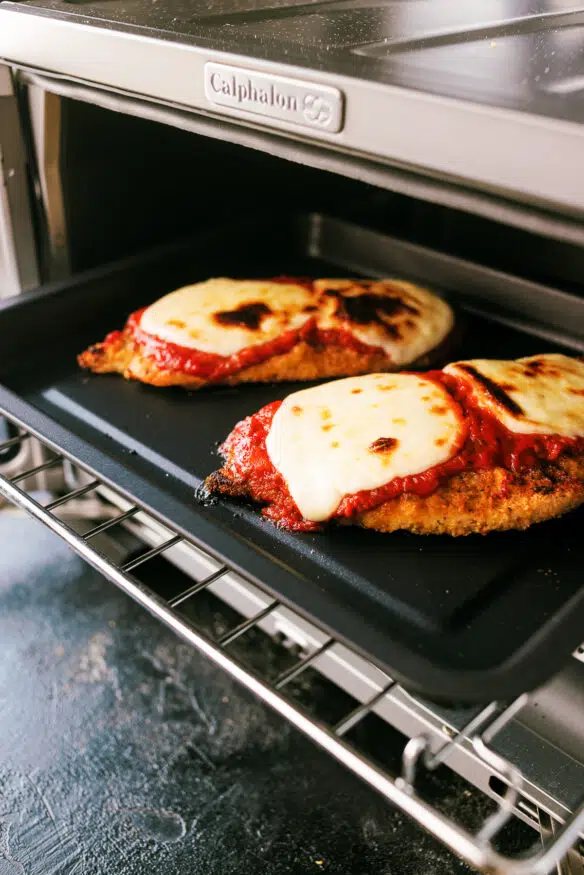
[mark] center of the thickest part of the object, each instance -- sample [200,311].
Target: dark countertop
[123,751]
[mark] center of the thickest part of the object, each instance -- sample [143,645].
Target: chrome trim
[19,270]
[45,125]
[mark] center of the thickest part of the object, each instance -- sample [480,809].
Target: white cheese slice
[541,394]
[328,442]
[212,316]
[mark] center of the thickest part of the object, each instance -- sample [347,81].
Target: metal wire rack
[419,754]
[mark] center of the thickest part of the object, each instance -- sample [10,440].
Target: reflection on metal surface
[18,260]
[486,27]
[45,118]
[476,849]
[387,27]
[292,100]
[572,864]
[502,64]
[571,85]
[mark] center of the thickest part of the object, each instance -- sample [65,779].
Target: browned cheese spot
[325,413]
[385,387]
[327,427]
[248,316]
[494,389]
[356,391]
[357,305]
[439,409]
[399,421]
[579,392]
[296,410]
[425,397]
[440,442]
[335,444]
[537,367]
[534,368]
[384,445]
[176,323]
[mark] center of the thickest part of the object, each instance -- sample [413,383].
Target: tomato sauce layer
[486,444]
[215,368]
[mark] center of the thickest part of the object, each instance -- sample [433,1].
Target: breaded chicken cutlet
[225,332]
[479,446]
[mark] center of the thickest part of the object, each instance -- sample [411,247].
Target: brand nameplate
[277,97]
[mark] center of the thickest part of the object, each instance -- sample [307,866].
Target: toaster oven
[144,145]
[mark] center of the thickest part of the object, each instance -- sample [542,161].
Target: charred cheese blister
[360,433]
[541,394]
[223,316]
[404,320]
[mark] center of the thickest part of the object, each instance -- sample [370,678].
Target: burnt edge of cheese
[248,316]
[533,368]
[384,445]
[498,392]
[366,308]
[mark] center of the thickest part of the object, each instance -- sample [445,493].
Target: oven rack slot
[419,753]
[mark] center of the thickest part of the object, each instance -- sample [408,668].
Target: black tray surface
[465,619]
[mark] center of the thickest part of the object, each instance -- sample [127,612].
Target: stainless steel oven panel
[464,142]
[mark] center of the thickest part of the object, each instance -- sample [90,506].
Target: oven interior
[130,188]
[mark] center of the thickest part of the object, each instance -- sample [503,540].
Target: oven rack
[419,754]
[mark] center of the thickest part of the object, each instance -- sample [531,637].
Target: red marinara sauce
[487,444]
[214,368]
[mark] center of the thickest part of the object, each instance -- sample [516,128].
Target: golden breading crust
[470,502]
[485,501]
[302,362]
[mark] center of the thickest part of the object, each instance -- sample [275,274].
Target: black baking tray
[460,620]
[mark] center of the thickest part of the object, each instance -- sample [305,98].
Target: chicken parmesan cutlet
[479,446]
[226,331]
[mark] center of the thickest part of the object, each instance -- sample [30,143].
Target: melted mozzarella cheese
[542,394]
[405,335]
[191,316]
[360,433]
[223,316]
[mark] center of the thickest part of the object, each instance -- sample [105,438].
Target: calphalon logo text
[246,92]
[275,96]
